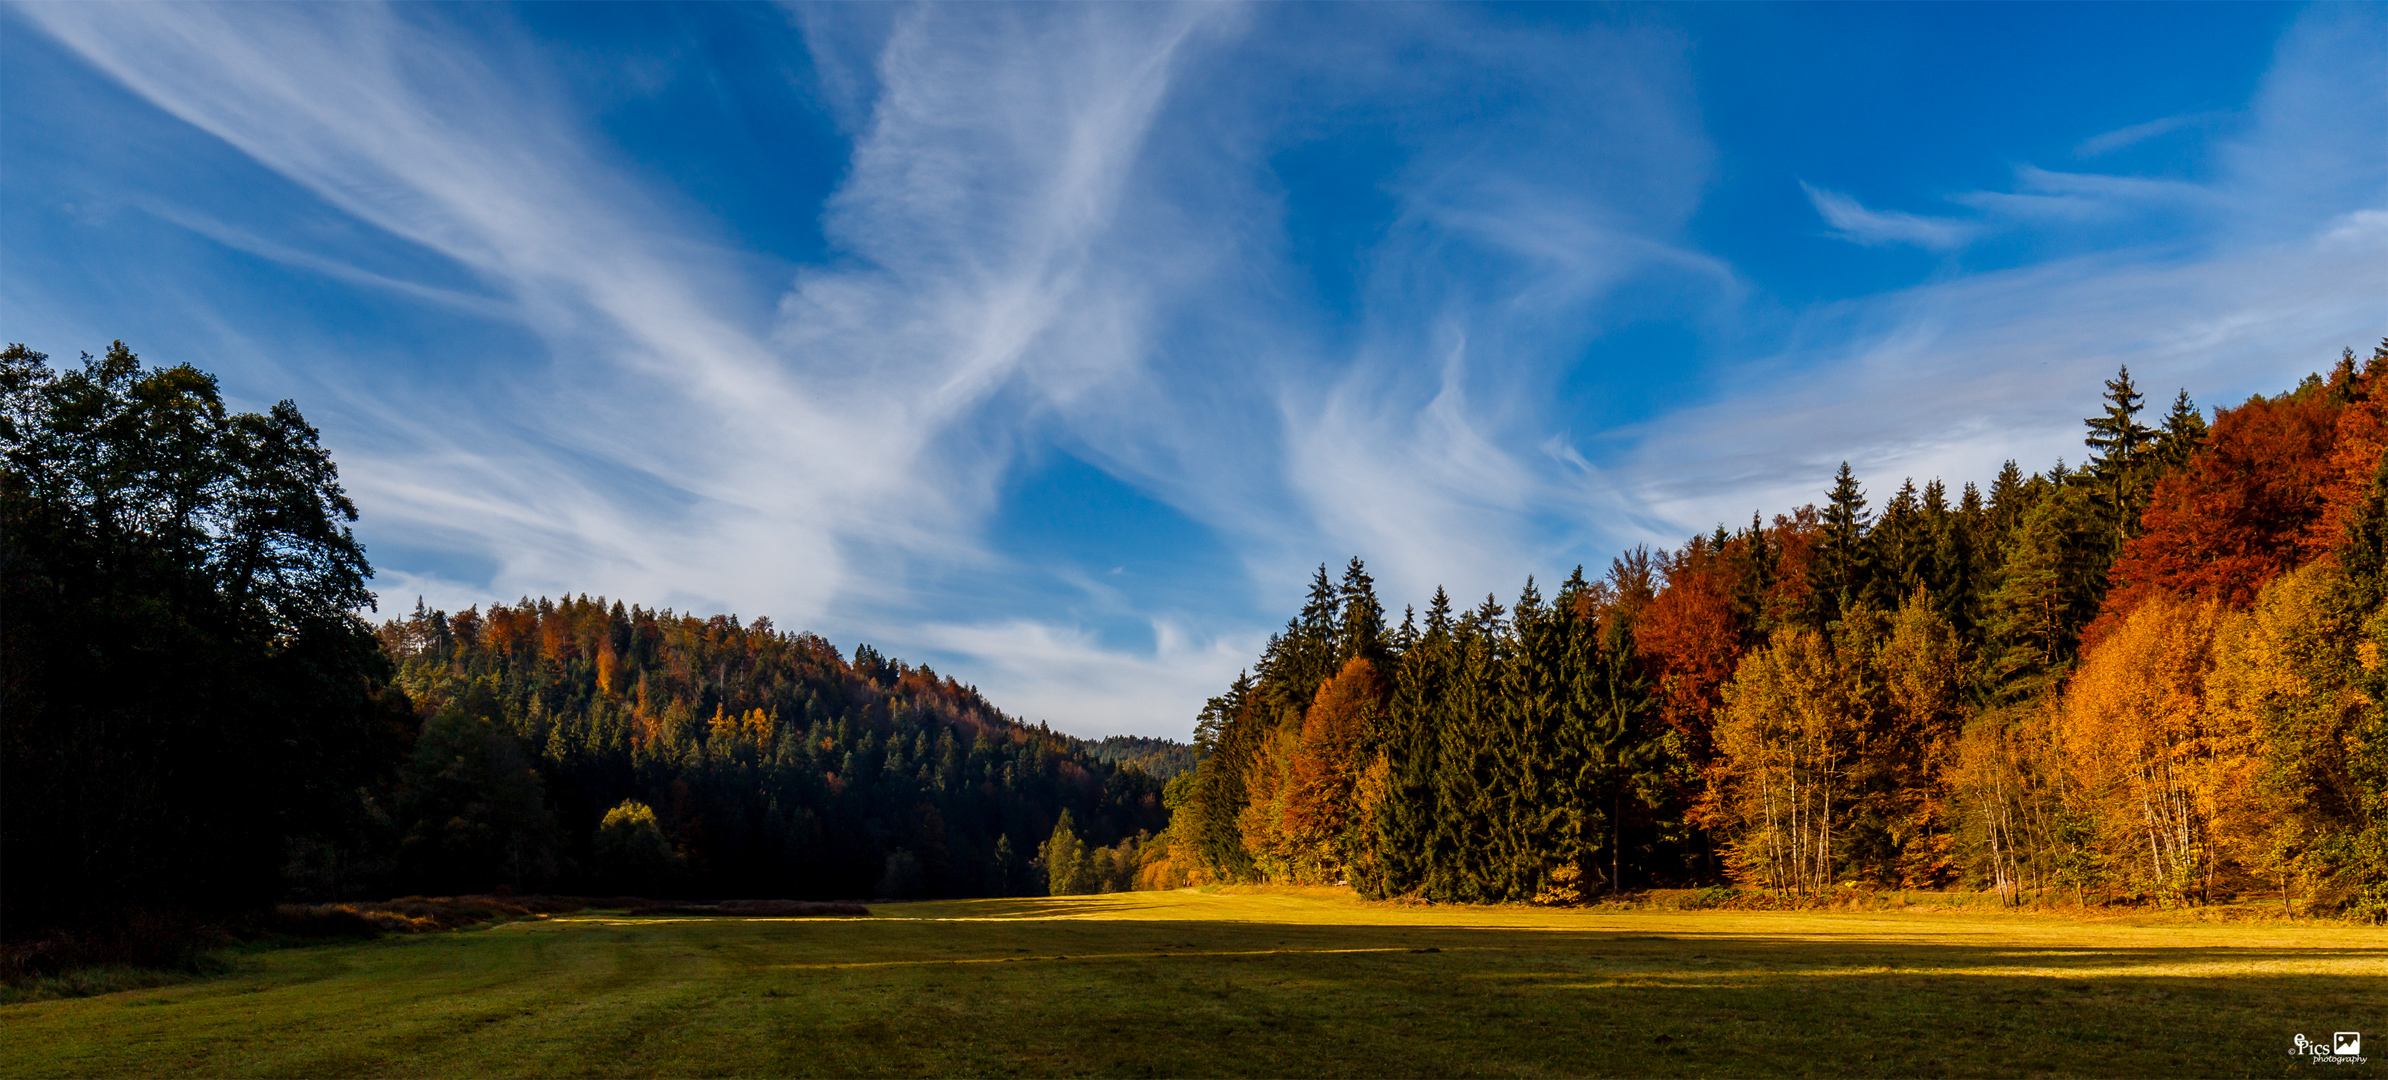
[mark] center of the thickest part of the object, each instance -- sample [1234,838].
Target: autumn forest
[2149,678]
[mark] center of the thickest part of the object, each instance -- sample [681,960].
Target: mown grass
[1267,983]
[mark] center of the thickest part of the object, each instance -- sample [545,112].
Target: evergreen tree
[2120,465]
[1902,549]
[1614,752]
[2048,589]
[1405,823]
[2184,432]
[1847,563]
[1535,807]
[2010,499]
[1460,867]
[1958,541]
[1361,627]
[1228,732]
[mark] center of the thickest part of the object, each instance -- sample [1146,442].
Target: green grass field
[1266,983]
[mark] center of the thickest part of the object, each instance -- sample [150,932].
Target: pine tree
[2184,433]
[1228,732]
[1848,569]
[2116,434]
[1533,773]
[1613,749]
[2119,467]
[1360,630]
[2010,498]
[2048,589]
[1958,556]
[1405,822]
[1901,544]
[1469,807]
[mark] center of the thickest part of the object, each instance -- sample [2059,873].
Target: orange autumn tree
[1690,640]
[1300,821]
[2238,513]
[2361,440]
[2148,764]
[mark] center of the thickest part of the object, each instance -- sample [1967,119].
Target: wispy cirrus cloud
[2107,142]
[1949,378]
[1086,231]
[1853,222]
[690,446]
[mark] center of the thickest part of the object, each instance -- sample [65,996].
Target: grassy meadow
[1259,982]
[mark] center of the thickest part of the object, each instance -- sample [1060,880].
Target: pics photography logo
[2341,1048]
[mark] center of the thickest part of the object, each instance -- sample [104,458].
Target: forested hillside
[590,746]
[2155,675]
[195,719]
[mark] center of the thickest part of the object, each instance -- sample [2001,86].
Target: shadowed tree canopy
[188,689]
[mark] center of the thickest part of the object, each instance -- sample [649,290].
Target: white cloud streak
[1063,226]
[2132,135]
[1949,378]
[800,456]
[1851,221]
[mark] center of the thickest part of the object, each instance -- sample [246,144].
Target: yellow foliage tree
[2004,787]
[2149,765]
[1824,743]
[1267,783]
[1912,747]
[2282,675]
[1781,786]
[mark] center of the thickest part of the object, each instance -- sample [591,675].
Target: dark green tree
[1405,824]
[188,693]
[1848,565]
[473,808]
[2049,585]
[2184,432]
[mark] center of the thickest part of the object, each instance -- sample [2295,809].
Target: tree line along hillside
[587,745]
[195,719]
[2156,676]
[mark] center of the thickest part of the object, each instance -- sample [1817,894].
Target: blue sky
[1056,345]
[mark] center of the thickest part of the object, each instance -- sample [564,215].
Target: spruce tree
[1229,731]
[1064,857]
[1902,548]
[1958,544]
[2184,432]
[1613,751]
[1847,565]
[1471,737]
[1360,629]
[1404,823]
[2118,468]
[2048,589]
[1535,827]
